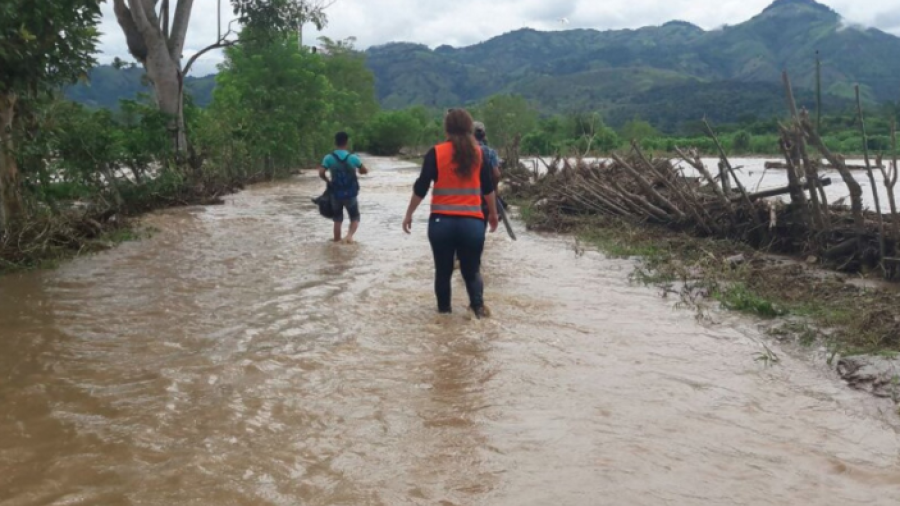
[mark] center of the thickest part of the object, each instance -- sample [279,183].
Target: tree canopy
[46,43]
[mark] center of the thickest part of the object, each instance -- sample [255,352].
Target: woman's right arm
[420,187]
[428,174]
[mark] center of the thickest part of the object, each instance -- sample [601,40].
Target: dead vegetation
[703,235]
[685,195]
[75,228]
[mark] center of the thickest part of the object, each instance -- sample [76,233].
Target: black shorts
[351,205]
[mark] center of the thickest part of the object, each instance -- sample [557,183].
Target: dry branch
[813,137]
[865,140]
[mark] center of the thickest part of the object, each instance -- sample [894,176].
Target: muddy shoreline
[852,319]
[82,228]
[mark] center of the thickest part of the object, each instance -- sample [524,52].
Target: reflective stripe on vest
[458,209]
[455,195]
[451,191]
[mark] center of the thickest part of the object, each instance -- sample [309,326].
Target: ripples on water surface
[239,358]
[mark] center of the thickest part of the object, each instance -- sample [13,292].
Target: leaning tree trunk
[166,77]
[10,198]
[156,39]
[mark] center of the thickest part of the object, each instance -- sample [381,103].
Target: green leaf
[26,35]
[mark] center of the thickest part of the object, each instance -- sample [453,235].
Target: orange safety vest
[452,194]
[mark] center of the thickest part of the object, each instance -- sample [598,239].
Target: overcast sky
[465,22]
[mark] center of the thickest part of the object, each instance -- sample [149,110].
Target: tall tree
[505,117]
[156,31]
[284,85]
[638,130]
[355,101]
[43,44]
[311,6]
[304,97]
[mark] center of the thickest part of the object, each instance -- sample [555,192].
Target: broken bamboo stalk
[811,170]
[856,207]
[595,191]
[776,165]
[642,204]
[698,164]
[788,145]
[823,198]
[638,210]
[789,94]
[818,92]
[890,181]
[647,187]
[797,197]
[816,192]
[695,208]
[604,195]
[782,190]
[597,206]
[723,177]
[841,249]
[865,139]
[724,160]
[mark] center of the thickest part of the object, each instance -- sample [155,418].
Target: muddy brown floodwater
[238,358]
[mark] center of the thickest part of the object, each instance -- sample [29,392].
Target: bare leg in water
[353,210]
[352,207]
[354,225]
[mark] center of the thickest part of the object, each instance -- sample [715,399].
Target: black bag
[323,201]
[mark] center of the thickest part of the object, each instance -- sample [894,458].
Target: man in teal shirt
[339,171]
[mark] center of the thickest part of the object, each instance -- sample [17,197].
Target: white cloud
[465,22]
[850,25]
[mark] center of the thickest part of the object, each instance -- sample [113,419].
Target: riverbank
[853,319]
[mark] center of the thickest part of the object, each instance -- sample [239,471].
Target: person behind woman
[461,174]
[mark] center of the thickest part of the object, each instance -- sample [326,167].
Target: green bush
[389,132]
[638,130]
[739,297]
[879,143]
[538,143]
[764,144]
[742,142]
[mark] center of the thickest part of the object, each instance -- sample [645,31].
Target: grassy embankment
[45,240]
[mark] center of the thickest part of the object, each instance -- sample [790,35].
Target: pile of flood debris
[683,193]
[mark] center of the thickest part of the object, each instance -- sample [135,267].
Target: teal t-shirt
[329,162]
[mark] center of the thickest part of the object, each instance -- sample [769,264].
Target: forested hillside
[668,74]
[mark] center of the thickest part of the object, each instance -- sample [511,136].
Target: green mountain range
[669,74]
[107,85]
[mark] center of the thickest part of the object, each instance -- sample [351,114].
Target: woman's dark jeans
[457,237]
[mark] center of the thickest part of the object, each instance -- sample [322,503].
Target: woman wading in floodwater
[461,174]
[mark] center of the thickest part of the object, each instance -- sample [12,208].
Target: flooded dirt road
[238,358]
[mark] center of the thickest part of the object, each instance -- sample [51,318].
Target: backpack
[323,202]
[344,183]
